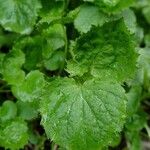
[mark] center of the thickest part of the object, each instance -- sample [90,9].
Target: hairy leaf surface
[103,55]
[83,116]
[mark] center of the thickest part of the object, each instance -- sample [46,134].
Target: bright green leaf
[19,15]
[13,135]
[89,16]
[12,64]
[26,110]
[8,111]
[83,116]
[113,6]
[31,88]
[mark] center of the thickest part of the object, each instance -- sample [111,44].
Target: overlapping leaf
[103,55]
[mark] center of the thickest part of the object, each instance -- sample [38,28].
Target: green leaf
[146,12]
[139,35]
[27,110]
[134,140]
[31,88]
[54,53]
[144,66]
[133,97]
[137,121]
[55,36]
[13,135]
[19,15]
[8,111]
[56,61]
[113,6]
[1,62]
[100,53]
[129,15]
[111,2]
[11,66]
[83,116]
[32,48]
[7,39]
[52,10]
[89,16]
[147,40]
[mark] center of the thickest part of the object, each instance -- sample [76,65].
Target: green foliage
[13,135]
[68,117]
[31,88]
[104,56]
[79,69]
[89,16]
[19,16]
[11,67]
[8,111]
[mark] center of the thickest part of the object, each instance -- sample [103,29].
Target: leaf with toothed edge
[83,116]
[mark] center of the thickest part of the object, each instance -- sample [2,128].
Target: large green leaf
[103,55]
[19,15]
[83,116]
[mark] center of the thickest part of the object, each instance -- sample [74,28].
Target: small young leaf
[11,66]
[13,135]
[8,111]
[31,88]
